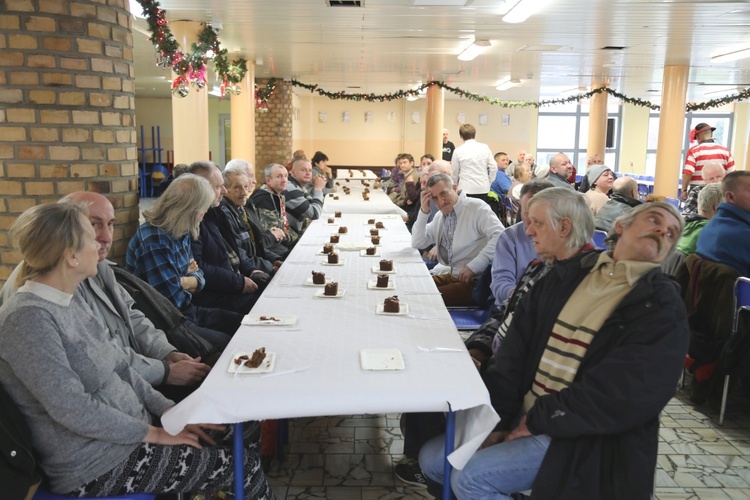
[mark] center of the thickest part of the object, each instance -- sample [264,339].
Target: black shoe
[409,472]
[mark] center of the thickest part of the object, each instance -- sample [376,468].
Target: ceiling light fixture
[524,10]
[473,50]
[728,89]
[575,90]
[508,84]
[734,55]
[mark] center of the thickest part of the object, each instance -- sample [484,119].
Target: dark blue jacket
[209,251]
[726,238]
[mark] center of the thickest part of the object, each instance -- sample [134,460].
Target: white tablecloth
[353,203]
[355,174]
[328,337]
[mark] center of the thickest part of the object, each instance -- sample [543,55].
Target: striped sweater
[588,308]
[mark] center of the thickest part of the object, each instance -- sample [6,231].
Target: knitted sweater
[87,409]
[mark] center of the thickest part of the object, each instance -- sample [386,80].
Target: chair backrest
[674,202]
[742,292]
[598,239]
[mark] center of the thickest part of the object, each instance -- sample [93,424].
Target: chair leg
[724,400]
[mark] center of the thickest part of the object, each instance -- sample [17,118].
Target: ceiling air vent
[344,3]
[613,47]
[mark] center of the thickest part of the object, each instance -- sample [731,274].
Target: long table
[353,203]
[317,368]
[355,174]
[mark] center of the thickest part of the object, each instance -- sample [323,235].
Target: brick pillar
[273,129]
[67,110]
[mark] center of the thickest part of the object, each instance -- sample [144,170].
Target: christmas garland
[262,95]
[401,94]
[191,68]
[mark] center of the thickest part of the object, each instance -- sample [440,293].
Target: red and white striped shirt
[705,152]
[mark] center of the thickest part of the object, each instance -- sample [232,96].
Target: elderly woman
[600,179]
[91,415]
[161,254]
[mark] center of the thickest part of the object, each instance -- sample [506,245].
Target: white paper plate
[254,320]
[309,281]
[376,270]
[403,309]
[372,285]
[265,366]
[341,262]
[321,251]
[381,359]
[364,253]
[322,293]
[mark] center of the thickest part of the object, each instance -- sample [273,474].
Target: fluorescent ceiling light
[473,50]
[724,90]
[523,10]
[510,83]
[575,90]
[732,56]
[136,9]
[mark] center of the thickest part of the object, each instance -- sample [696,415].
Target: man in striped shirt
[699,155]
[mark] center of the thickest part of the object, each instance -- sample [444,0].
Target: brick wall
[66,110]
[273,130]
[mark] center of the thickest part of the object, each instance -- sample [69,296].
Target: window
[565,129]
[723,135]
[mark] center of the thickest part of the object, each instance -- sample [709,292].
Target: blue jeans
[495,472]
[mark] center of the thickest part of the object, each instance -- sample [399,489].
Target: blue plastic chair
[46,495]
[674,202]
[642,191]
[158,174]
[469,319]
[741,304]
[598,239]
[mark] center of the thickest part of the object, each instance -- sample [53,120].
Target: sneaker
[409,472]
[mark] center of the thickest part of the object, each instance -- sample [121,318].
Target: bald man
[624,197]
[147,348]
[712,173]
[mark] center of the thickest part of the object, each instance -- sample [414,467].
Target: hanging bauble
[235,89]
[198,84]
[182,91]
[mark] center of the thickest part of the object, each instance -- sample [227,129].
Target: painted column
[597,123]
[433,141]
[189,113]
[671,126]
[243,118]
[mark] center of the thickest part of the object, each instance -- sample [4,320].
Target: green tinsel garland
[401,94]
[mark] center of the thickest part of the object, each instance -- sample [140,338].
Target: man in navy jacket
[232,282]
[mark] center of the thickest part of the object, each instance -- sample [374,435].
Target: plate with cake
[383,282]
[269,320]
[330,291]
[391,306]
[317,279]
[381,359]
[258,361]
[370,252]
[384,266]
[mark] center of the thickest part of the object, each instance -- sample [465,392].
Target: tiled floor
[352,457]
